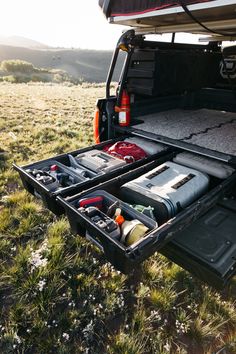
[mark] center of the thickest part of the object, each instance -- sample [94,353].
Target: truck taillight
[96,134]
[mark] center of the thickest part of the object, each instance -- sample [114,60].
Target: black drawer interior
[126,258]
[80,182]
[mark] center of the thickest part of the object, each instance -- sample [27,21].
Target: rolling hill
[88,65]
[19,41]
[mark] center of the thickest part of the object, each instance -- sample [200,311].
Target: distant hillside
[88,65]
[18,41]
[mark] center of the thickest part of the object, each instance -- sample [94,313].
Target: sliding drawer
[127,257]
[79,177]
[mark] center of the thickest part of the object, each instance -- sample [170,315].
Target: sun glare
[59,23]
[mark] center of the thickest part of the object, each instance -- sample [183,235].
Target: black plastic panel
[160,72]
[210,241]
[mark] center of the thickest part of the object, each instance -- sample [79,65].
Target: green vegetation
[20,71]
[58,293]
[15,66]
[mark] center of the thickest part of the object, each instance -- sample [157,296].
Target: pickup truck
[177,103]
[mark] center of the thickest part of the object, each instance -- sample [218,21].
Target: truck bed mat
[214,139]
[203,127]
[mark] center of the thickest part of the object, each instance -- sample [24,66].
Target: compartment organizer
[126,258]
[175,190]
[108,200]
[86,167]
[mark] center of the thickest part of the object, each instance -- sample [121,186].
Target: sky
[63,23]
[60,23]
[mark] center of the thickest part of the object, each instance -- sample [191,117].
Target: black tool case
[127,258]
[49,196]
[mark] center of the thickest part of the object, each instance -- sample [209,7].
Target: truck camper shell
[169,15]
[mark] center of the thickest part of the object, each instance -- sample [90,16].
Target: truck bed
[202,127]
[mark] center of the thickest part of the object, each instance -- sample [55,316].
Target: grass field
[58,294]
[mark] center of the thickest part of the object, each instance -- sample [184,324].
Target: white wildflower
[66,336]
[36,259]
[41,284]
[17,338]
[181,327]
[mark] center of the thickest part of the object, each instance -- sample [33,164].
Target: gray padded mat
[202,127]
[214,139]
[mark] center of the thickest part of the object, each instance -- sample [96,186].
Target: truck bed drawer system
[82,168]
[158,203]
[166,179]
